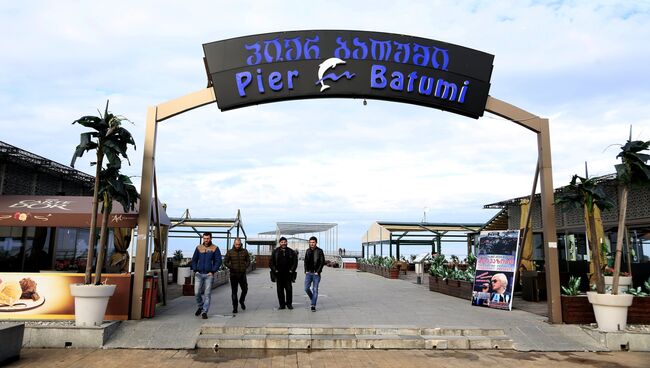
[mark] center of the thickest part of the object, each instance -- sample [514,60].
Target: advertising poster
[496,265]
[46,296]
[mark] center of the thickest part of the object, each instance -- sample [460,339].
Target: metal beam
[541,128]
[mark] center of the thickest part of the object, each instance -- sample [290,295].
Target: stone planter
[610,310]
[639,311]
[576,309]
[624,283]
[90,302]
[393,273]
[457,288]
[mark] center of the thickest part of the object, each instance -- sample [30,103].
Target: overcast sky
[582,64]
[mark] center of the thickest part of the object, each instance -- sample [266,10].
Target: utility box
[419,266]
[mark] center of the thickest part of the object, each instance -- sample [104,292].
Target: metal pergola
[221,228]
[428,234]
[327,233]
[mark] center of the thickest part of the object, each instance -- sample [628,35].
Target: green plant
[573,286]
[449,270]
[637,291]
[438,268]
[633,170]
[109,140]
[178,255]
[588,194]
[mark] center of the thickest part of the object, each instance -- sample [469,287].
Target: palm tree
[586,193]
[109,140]
[118,187]
[633,170]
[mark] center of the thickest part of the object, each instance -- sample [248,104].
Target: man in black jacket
[314,262]
[284,262]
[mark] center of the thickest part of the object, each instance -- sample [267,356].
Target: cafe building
[45,212]
[573,249]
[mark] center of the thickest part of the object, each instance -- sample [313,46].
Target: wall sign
[328,63]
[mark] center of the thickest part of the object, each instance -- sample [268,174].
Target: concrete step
[354,330]
[227,337]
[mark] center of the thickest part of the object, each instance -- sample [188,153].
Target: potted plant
[109,140]
[575,304]
[639,311]
[611,309]
[586,193]
[624,283]
[448,278]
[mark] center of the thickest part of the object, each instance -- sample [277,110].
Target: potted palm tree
[611,309]
[586,193]
[109,140]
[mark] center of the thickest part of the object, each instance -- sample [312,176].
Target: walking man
[314,262]
[237,260]
[205,263]
[283,264]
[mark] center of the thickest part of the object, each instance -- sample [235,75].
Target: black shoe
[204,315]
[290,306]
[198,312]
[282,307]
[234,310]
[313,308]
[243,306]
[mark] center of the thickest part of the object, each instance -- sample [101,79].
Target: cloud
[579,64]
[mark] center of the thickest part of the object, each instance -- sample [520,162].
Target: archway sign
[293,65]
[316,64]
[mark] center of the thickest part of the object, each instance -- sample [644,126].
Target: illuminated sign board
[328,63]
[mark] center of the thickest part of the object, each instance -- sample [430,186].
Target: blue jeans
[312,278]
[202,290]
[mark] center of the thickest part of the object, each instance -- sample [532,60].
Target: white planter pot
[610,310]
[624,283]
[90,302]
[183,272]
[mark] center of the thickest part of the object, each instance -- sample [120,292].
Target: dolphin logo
[323,67]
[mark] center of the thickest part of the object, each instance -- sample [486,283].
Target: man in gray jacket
[314,262]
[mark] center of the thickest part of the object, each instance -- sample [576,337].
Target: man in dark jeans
[284,262]
[314,262]
[237,260]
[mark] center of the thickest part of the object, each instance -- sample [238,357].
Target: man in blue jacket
[205,263]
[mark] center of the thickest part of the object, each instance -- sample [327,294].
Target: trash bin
[150,296]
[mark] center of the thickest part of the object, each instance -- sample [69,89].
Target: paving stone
[350,303]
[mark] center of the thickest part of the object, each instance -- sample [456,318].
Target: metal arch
[541,128]
[207,96]
[156,114]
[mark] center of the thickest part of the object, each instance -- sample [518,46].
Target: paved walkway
[347,298]
[97,358]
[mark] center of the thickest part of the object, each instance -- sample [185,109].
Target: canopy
[295,228]
[63,211]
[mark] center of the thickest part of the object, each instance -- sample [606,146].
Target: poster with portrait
[496,265]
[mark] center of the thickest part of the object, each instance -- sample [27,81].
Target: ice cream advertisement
[47,296]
